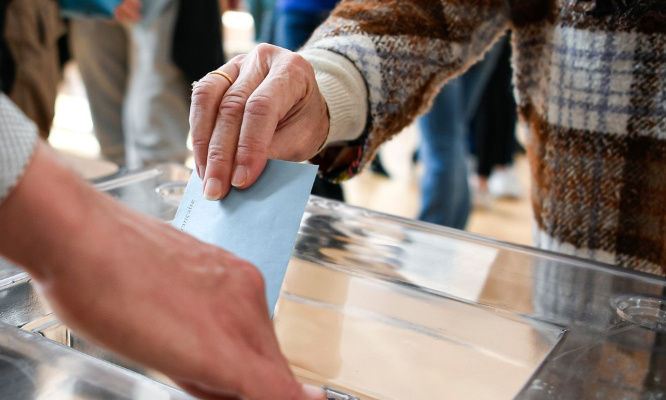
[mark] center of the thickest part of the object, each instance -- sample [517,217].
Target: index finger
[221,172]
[207,95]
[220,129]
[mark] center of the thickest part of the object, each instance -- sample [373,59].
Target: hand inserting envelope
[258,224]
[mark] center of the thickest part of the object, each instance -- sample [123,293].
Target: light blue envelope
[258,224]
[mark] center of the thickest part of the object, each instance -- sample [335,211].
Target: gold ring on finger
[224,74]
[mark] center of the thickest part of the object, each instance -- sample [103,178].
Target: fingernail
[201,171]
[240,176]
[313,392]
[213,189]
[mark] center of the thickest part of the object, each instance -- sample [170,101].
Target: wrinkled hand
[128,11]
[136,286]
[190,310]
[273,110]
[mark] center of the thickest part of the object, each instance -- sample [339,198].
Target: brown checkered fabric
[590,82]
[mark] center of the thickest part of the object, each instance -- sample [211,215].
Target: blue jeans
[445,195]
[293,28]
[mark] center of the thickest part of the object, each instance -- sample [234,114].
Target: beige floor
[508,219]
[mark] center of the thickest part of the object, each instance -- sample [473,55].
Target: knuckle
[258,105]
[249,150]
[295,64]
[264,49]
[219,154]
[199,141]
[232,105]
[251,144]
[300,63]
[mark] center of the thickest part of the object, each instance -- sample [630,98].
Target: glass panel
[387,340]
[387,308]
[32,367]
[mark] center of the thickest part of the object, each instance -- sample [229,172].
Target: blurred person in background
[262,13]
[443,145]
[295,20]
[138,69]
[31,42]
[493,135]
[589,78]
[134,285]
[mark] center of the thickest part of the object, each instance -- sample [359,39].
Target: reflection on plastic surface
[154,191]
[20,304]
[389,308]
[172,191]
[9,272]
[372,334]
[646,311]
[381,307]
[334,394]
[32,367]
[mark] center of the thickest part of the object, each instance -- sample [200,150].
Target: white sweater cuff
[345,93]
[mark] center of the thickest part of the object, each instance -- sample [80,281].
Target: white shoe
[504,183]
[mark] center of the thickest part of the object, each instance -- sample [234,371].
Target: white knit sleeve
[345,92]
[18,136]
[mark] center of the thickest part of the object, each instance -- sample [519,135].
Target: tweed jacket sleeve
[590,85]
[405,50]
[18,136]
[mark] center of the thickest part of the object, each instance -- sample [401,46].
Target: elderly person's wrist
[345,94]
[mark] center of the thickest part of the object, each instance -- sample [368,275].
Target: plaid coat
[590,83]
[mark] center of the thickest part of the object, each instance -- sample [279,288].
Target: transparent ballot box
[379,307]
